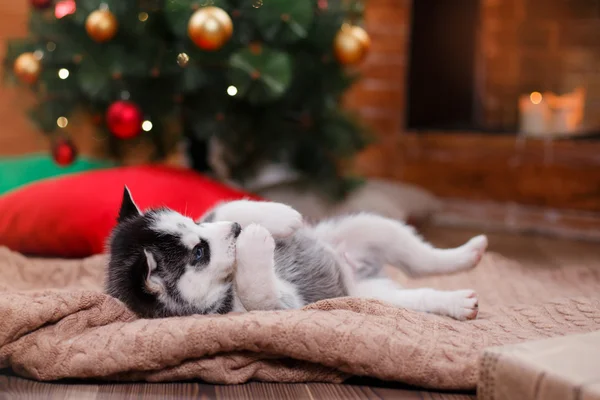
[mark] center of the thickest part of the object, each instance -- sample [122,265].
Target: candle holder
[549,114]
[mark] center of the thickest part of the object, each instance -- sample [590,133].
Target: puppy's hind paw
[471,253]
[477,247]
[463,305]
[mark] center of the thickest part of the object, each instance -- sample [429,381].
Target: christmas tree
[261,78]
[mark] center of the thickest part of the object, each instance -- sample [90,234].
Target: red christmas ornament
[124,119]
[64,152]
[40,4]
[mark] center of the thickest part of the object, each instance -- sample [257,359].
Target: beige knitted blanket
[55,323]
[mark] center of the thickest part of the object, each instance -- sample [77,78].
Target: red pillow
[72,216]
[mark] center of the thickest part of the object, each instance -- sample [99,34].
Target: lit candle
[534,114]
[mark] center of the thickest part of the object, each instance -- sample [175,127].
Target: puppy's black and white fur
[247,255]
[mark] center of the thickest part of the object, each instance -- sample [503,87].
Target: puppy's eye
[198,254]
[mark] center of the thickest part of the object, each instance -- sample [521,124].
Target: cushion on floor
[72,216]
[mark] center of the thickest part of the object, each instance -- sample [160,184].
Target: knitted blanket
[56,323]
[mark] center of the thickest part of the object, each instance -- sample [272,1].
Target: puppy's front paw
[255,243]
[281,220]
[462,305]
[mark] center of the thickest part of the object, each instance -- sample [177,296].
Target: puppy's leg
[279,219]
[460,304]
[374,239]
[257,286]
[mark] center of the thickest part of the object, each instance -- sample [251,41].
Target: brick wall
[17,135]
[537,45]
[379,98]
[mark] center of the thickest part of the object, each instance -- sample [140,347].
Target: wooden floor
[17,388]
[535,251]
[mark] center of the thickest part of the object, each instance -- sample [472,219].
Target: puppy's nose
[236,229]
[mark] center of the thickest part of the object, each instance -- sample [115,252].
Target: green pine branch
[270,94]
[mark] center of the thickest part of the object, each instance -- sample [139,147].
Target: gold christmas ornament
[351,44]
[101,25]
[27,68]
[210,28]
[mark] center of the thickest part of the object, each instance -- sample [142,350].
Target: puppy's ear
[128,207]
[153,284]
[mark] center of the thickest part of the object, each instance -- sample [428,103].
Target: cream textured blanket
[55,323]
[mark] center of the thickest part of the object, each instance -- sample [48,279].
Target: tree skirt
[18,171]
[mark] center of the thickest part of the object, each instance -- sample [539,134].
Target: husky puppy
[247,255]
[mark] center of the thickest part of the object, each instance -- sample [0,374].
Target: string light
[232,91]
[103,7]
[183,59]
[257,3]
[38,54]
[62,122]
[143,16]
[146,126]
[63,73]
[51,46]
